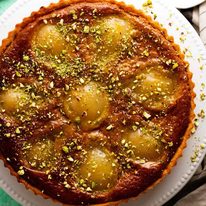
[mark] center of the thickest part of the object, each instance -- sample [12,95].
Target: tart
[96,102]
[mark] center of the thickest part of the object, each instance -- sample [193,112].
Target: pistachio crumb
[21,172]
[8,134]
[86,29]
[65,149]
[8,124]
[202,96]
[51,85]
[134,127]
[201,114]
[196,122]
[148,3]
[193,158]
[61,22]
[146,115]
[89,189]
[18,130]
[175,65]
[45,21]
[70,159]
[26,58]
[81,80]
[202,146]
[110,127]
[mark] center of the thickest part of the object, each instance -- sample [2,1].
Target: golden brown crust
[64,3]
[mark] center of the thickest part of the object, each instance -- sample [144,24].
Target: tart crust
[64,3]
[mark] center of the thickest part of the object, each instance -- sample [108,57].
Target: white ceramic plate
[185,4]
[187,38]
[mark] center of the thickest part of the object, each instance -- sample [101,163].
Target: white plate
[185,4]
[180,174]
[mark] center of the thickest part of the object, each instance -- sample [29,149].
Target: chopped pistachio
[45,21]
[86,29]
[40,78]
[81,181]
[81,80]
[128,166]
[193,130]
[67,186]
[175,65]
[64,52]
[72,12]
[202,96]
[61,22]
[193,158]
[124,122]
[202,146]
[196,122]
[26,58]
[18,131]
[70,159]
[134,127]
[182,38]
[51,85]
[18,74]
[146,53]
[126,145]
[148,3]
[8,124]
[65,149]
[8,134]
[123,141]
[201,114]
[82,13]
[74,16]
[21,172]
[58,94]
[110,127]
[89,189]
[79,147]
[142,161]
[146,115]
[66,87]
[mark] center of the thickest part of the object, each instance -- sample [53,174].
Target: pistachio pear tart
[96,102]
